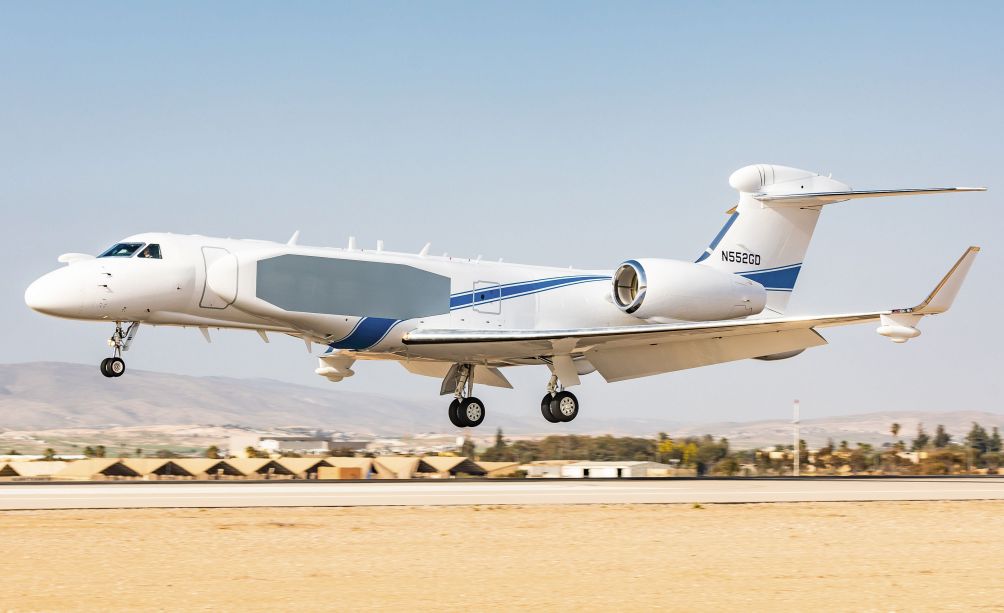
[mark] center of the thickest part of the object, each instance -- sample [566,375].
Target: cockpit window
[122,250]
[152,251]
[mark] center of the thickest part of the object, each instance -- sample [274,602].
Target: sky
[560,133]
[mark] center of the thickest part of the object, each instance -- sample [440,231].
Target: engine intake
[671,290]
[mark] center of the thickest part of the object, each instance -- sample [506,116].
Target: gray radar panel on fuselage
[311,284]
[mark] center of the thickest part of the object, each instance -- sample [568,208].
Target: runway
[224,494]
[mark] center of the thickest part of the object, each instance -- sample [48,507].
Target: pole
[797,447]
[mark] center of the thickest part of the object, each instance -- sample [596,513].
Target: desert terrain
[877,556]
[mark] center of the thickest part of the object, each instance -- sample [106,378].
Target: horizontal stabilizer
[802,199]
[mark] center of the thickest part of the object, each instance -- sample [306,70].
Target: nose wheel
[112,367]
[119,342]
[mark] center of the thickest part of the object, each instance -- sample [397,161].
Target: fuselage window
[152,251]
[122,250]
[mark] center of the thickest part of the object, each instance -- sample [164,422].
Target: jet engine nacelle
[666,290]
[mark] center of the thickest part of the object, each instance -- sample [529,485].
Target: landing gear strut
[558,405]
[466,411]
[119,342]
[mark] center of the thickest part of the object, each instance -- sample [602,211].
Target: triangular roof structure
[92,467]
[499,469]
[302,466]
[401,467]
[454,465]
[6,470]
[207,466]
[41,468]
[258,466]
[162,467]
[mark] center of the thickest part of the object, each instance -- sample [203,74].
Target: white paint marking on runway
[376,493]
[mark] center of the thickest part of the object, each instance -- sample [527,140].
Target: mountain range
[52,395]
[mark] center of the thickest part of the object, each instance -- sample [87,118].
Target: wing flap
[622,363]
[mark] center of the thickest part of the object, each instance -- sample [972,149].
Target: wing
[627,352]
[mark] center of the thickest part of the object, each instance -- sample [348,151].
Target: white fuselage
[217,283]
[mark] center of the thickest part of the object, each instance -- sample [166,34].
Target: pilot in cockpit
[151,251]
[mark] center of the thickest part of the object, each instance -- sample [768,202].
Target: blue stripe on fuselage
[368,332]
[514,290]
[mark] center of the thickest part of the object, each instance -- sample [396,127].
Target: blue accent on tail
[368,332]
[775,279]
[719,237]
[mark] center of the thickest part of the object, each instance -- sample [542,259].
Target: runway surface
[462,492]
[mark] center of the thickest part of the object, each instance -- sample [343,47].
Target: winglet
[293,239]
[940,300]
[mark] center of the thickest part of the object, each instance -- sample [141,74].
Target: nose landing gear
[119,342]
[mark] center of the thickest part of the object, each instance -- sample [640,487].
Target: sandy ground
[880,556]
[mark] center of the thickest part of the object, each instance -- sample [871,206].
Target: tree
[978,439]
[213,452]
[13,452]
[995,441]
[941,438]
[894,429]
[500,452]
[138,452]
[922,438]
[88,452]
[467,448]
[50,454]
[99,451]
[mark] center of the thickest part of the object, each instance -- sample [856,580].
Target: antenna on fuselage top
[352,243]
[293,239]
[425,250]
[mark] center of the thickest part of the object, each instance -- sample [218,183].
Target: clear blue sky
[544,132]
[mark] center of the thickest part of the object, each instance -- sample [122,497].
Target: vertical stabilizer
[763,243]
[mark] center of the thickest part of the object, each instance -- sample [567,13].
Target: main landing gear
[558,406]
[119,342]
[466,411]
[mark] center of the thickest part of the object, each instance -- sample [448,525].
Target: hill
[53,395]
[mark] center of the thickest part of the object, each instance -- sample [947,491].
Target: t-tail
[768,231]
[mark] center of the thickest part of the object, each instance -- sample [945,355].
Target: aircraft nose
[56,293]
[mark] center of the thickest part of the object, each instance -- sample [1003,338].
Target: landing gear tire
[104,367]
[472,412]
[115,367]
[545,409]
[564,406]
[454,412]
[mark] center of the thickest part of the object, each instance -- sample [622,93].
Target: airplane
[463,320]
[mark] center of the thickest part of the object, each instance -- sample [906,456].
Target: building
[500,469]
[612,470]
[96,468]
[452,466]
[545,469]
[208,468]
[281,443]
[157,468]
[29,470]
